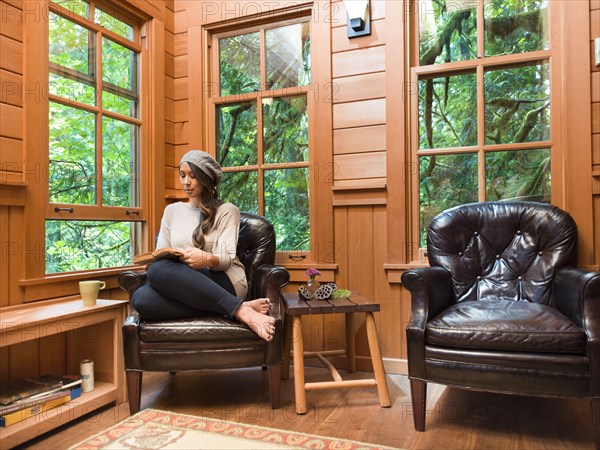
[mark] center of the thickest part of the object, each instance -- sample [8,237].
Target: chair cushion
[201,329]
[500,324]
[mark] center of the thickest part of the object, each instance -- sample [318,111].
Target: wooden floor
[456,419]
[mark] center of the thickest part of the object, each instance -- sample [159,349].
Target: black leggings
[176,291]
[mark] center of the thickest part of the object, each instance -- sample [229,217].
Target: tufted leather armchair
[213,341]
[502,307]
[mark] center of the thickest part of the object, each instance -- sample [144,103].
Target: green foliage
[285,194]
[445,181]
[285,130]
[237,134]
[516,100]
[287,207]
[113,24]
[82,245]
[515,26]
[239,64]
[74,147]
[448,112]
[517,104]
[72,170]
[518,174]
[119,160]
[69,44]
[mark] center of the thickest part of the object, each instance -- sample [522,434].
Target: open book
[167,252]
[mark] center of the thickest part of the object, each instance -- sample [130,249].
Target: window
[482,128]
[260,124]
[94,123]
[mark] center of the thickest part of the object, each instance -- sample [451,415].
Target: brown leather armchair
[211,342]
[502,307]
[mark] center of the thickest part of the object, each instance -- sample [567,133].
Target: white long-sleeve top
[177,229]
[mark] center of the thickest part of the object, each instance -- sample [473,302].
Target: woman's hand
[197,258]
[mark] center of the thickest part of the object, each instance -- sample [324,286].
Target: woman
[209,276]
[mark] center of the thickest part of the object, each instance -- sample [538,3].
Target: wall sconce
[359,17]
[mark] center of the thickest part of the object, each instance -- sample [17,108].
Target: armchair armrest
[268,282]
[131,280]
[577,296]
[432,292]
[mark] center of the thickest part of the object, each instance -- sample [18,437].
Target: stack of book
[24,398]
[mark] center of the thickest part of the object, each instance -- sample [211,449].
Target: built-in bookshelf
[91,332]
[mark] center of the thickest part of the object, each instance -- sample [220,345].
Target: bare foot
[261,324]
[261,305]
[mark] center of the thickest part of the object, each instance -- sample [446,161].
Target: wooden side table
[295,308]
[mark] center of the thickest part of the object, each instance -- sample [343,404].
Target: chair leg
[274,371]
[418,392]
[134,390]
[596,420]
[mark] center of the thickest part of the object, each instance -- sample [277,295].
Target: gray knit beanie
[205,163]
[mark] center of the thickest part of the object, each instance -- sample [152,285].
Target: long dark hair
[209,203]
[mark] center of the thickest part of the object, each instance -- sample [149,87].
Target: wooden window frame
[319,99]
[149,41]
[56,211]
[570,141]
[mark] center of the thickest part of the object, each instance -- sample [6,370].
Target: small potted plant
[312,284]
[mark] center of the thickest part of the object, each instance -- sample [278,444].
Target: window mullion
[99,117]
[260,141]
[260,125]
[480,134]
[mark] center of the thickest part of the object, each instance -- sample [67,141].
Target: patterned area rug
[153,429]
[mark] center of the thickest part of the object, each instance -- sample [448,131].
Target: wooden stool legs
[293,338]
[384,396]
[298,353]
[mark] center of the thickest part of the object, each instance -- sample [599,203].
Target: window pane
[447,31]
[517,104]
[445,181]
[285,129]
[515,26]
[518,175]
[119,65]
[82,245]
[71,89]
[77,6]
[72,171]
[241,189]
[239,64]
[113,24]
[120,180]
[237,135]
[288,56]
[286,206]
[448,111]
[69,45]
[119,104]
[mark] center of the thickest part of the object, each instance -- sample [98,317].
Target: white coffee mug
[89,291]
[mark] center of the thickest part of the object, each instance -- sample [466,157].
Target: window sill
[66,284]
[297,271]
[395,271]
[12,193]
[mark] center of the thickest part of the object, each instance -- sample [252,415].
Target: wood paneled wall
[595,88]
[360,154]
[17,176]
[12,159]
